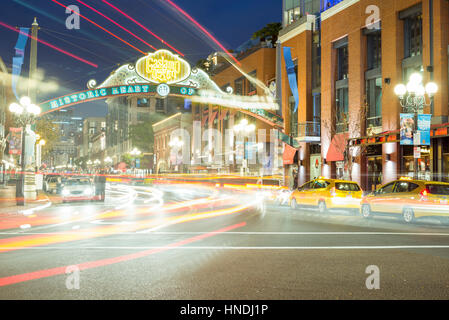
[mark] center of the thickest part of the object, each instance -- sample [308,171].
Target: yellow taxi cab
[409,199]
[327,194]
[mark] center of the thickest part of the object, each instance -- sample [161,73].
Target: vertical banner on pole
[407,128]
[424,121]
[15,141]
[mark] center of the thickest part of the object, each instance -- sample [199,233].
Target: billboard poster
[407,128]
[424,121]
[15,141]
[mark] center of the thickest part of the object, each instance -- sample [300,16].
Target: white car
[78,189]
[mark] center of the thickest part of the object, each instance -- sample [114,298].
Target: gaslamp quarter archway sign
[161,73]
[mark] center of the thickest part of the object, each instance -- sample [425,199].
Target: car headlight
[88,191]
[65,192]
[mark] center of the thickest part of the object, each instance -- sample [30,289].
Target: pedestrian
[295,179]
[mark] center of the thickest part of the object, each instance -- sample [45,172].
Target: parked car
[328,194]
[78,189]
[409,199]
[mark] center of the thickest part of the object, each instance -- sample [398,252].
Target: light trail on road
[100,263]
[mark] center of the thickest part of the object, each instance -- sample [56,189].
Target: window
[317,108]
[293,117]
[342,110]
[238,86]
[306,186]
[143,103]
[386,189]
[320,184]
[251,87]
[343,57]
[374,101]
[413,36]
[292,11]
[405,186]
[316,60]
[347,186]
[160,107]
[438,189]
[374,50]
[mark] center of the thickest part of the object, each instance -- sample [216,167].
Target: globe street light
[413,97]
[25,112]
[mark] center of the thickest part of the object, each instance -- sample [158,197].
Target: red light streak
[5,281]
[143,27]
[50,45]
[117,24]
[105,30]
[202,29]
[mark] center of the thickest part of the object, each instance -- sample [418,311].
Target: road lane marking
[243,233]
[241,248]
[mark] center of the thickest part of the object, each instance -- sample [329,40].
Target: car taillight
[424,193]
[333,193]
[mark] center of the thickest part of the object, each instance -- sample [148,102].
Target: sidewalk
[8,201]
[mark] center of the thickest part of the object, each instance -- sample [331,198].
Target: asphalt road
[194,242]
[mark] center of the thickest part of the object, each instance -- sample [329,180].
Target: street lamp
[25,113]
[413,97]
[244,127]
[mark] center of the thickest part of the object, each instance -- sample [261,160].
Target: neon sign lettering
[163,66]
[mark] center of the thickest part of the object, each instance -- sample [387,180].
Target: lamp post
[25,112]
[413,97]
[244,127]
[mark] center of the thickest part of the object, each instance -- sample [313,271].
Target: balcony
[309,131]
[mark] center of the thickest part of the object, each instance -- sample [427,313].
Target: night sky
[232,22]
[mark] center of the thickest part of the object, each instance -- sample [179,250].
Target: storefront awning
[289,154]
[337,147]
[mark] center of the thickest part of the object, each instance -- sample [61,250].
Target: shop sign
[416,152]
[91,95]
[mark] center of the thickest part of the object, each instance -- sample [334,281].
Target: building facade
[242,154]
[171,136]
[349,56]
[126,111]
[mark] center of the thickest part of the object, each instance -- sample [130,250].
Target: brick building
[349,56]
[259,62]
